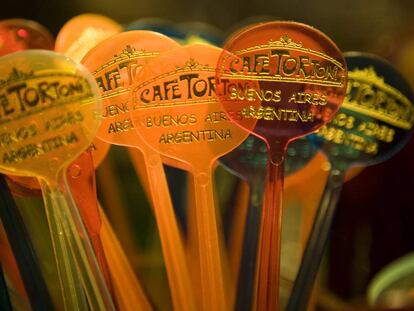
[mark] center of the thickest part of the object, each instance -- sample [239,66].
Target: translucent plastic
[22,248]
[19,34]
[98,150]
[69,275]
[5,303]
[178,116]
[291,79]
[115,63]
[111,258]
[129,292]
[81,33]
[81,180]
[22,34]
[373,124]
[248,161]
[48,117]
[235,239]
[9,264]
[81,177]
[76,38]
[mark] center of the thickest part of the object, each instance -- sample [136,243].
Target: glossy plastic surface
[115,64]
[179,116]
[373,124]
[21,34]
[48,118]
[291,79]
[83,32]
[376,118]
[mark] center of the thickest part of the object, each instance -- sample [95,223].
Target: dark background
[355,24]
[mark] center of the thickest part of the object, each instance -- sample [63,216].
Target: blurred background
[352,24]
[374,225]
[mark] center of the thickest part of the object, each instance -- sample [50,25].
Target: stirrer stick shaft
[316,244]
[5,303]
[71,289]
[268,261]
[94,284]
[251,236]
[170,235]
[211,271]
[23,251]
[128,290]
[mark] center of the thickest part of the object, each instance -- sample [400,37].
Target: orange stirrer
[115,63]
[178,115]
[128,291]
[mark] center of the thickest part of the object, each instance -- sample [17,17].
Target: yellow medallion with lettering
[49,115]
[376,118]
[375,121]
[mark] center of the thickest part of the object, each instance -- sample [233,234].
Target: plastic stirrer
[23,250]
[183,34]
[76,38]
[81,180]
[115,64]
[373,124]
[83,32]
[301,78]
[8,261]
[97,151]
[15,35]
[129,292]
[177,114]
[22,34]
[47,118]
[248,162]
[81,177]
[31,35]
[5,303]
[82,183]
[31,209]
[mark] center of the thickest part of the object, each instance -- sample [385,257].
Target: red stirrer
[300,78]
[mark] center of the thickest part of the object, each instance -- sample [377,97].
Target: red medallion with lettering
[300,77]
